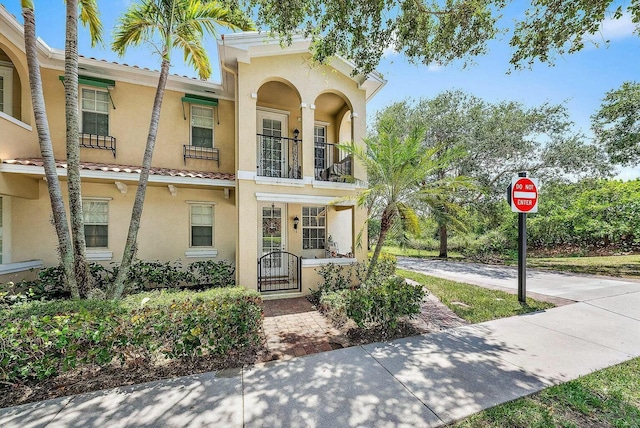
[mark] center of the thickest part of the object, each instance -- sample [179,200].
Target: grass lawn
[472,303]
[624,266]
[412,252]
[606,398]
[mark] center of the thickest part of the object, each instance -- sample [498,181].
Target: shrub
[382,306]
[334,305]
[334,277]
[213,273]
[385,268]
[61,335]
[145,275]
[42,346]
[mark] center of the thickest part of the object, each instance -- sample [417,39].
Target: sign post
[523,196]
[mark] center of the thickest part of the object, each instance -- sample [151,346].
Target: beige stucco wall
[164,231]
[129,124]
[309,81]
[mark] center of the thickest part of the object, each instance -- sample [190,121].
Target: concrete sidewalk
[425,380]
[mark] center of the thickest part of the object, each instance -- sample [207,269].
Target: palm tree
[397,169]
[90,16]
[166,24]
[65,247]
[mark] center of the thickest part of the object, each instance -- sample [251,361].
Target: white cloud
[617,29]
[389,51]
[628,173]
[434,67]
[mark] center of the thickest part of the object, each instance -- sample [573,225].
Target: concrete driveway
[579,288]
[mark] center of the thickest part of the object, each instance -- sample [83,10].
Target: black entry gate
[279,271]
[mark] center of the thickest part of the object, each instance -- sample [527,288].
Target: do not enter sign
[524,195]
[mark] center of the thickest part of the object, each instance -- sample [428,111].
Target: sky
[578,81]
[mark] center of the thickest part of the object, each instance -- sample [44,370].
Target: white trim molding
[303,199]
[341,261]
[99,255]
[291,182]
[335,185]
[15,121]
[20,266]
[201,253]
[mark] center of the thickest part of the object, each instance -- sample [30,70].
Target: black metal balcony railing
[278,157]
[103,142]
[195,152]
[331,163]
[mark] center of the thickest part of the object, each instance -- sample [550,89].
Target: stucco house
[245,170]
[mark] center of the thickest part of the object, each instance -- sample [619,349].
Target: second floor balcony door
[272,149]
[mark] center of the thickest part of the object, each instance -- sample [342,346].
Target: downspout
[236,132]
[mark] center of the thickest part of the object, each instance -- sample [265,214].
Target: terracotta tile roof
[127,168]
[140,68]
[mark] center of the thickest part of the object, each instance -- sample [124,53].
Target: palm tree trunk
[443,241]
[116,289]
[82,274]
[46,150]
[385,226]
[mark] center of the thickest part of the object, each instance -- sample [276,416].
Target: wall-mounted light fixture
[296,221]
[296,133]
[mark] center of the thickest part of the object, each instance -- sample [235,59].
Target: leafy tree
[434,31]
[490,142]
[164,25]
[70,265]
[617,124]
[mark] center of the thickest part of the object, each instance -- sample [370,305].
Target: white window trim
[100,253]
[203,251]
[308,263]
[6,268]
[6,71]
[96,254]
[213,126]
[308,251]
[80,88]
[274,110]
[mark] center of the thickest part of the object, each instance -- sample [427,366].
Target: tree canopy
[617,124]
[438,31]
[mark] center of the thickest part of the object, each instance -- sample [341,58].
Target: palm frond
[90,16]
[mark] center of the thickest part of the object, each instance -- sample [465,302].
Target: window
[202,126]
[6,88]
[320,147]
[313,227]
[201,225]
[95,112]
[96,223]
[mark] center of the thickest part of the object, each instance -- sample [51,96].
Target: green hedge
[61,336]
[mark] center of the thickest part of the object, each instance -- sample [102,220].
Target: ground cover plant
[51,344]
[606,398]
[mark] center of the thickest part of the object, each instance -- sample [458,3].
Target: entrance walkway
[294,328]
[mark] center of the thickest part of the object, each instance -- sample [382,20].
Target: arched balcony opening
[332,126]
[279,152]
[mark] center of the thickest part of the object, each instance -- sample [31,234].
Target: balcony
[196,152]
[278,157]
[331,163]
[103,142]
